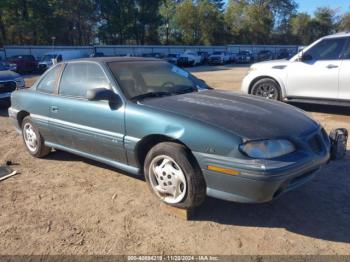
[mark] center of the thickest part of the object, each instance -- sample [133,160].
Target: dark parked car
[151,118]
[9,82]
[25,63]
[264,55]
[205,57]
[245,57]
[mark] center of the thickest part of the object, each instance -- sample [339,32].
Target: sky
[309,6]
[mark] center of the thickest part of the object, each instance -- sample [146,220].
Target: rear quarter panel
[36,104]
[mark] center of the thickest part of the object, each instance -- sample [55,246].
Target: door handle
[332,66]
[54,109]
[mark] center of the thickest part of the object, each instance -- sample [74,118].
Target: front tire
[267,88]
[33,140]
[174,176]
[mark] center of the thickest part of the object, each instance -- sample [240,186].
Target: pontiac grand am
[148,117]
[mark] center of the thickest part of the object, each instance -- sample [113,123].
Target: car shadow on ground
[319,209]
[212,68]
[328,109]
[58,155]
[4,111]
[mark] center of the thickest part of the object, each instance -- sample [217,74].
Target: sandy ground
[65,204]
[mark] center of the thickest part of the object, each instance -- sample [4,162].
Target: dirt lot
[65,204]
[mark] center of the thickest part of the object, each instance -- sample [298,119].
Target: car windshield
[139,80]
[48,57]
[217,53]
[244,53]
[172,55]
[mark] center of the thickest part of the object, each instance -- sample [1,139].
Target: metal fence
[138,50]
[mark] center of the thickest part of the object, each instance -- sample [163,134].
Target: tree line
[193,22]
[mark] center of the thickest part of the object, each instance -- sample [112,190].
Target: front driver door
[344,75]
[317,75]
[92,127]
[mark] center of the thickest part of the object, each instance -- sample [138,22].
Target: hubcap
[167,179]
[268,91]
[30,137]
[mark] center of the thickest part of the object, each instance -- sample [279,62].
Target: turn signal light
[223,170]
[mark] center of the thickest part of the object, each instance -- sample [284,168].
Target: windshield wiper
[151,94]
[186,90]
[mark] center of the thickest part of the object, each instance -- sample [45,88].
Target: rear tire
[33,140]
[174,176]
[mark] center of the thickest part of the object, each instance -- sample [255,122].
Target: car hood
[278,64]
[8,75]
[247,116]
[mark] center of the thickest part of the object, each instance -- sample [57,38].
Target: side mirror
[306,57]
[98,94]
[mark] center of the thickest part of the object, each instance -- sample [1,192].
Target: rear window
[47,84]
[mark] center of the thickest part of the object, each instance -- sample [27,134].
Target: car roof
[110,59]
[340,34]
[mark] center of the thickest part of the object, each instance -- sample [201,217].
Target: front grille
[8,86]
[183,60]
[315,143]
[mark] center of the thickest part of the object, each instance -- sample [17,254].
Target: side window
[47,84]
[77,78]
[327,49]
[347,50]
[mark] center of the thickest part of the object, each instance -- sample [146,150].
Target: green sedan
[148,117]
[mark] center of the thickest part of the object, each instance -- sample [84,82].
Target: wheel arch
[274,78]
[148,142]
[21,115]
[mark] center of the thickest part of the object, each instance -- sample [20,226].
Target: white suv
[318,74]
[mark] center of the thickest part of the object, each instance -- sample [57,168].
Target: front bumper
[244,60]
[260,181]
[13,113]
[185,61]
[215,61]
[247,80]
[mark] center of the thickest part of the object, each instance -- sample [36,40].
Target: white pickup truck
[219,57]
[189,58]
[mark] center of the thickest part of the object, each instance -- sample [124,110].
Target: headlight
[267,149]
[20,82]
[13,67]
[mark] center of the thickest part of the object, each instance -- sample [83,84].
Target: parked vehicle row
[28,64]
